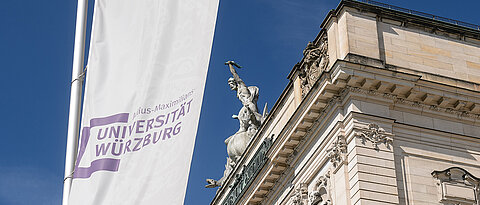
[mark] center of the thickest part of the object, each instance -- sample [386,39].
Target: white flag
[146,75]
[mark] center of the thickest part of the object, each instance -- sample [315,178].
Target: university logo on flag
[114,136]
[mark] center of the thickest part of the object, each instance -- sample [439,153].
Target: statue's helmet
[232,83]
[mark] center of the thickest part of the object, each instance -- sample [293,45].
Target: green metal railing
[248,174]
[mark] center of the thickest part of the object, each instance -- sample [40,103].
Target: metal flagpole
[75,97]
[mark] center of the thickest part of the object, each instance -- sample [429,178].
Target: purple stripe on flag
[122,117]
[83,144]
[97,165]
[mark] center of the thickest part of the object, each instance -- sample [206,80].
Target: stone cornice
[425,77]
[407,88]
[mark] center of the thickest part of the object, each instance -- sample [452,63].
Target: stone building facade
[384,108]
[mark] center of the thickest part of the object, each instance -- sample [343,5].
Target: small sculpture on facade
[300,196]
[320,195]
[376,136]
[338,151]
[315,61]
[249,121]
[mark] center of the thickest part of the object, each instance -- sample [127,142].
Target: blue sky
[36,48]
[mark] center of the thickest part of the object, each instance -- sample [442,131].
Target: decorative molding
[332,101]
[338,151]
[401,100]
[320,195]
[358,59]
[375,135]
[456,186]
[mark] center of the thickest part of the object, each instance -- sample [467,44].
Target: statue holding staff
[249,121]
[248,96]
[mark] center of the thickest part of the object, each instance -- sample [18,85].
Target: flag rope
[81,76]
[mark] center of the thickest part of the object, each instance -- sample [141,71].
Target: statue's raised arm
[236,77]
[247,95]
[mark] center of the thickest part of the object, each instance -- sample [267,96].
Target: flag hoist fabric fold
[146,75]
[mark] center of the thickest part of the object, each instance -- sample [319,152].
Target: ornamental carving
[456,186]
[320,195]
[375,135]
[337,152]
[315,61]
[300,196]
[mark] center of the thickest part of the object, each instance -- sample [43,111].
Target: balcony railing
[422,14]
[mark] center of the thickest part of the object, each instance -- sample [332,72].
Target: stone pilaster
[371,165]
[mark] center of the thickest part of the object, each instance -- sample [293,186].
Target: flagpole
[75,97]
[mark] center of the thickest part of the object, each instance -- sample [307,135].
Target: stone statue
[248,115]
[249,120]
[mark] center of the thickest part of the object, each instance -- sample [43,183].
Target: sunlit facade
[384,108]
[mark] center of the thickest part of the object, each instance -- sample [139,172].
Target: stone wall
[408,46]
[432,53]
